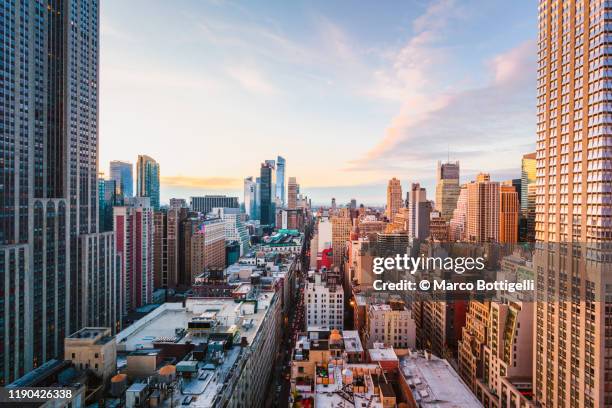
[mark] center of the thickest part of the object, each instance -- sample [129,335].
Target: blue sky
[350,93]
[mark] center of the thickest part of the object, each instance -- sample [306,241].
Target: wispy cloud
[436,115]
[253,80]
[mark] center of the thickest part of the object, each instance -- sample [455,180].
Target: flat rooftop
[167,321]
[89,335]
[330,395]
[435,384]
[382,354]
[352,342]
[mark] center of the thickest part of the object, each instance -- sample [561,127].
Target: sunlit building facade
[573,215]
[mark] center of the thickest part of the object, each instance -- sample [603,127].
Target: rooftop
[434,383]
[352,343]
[382,354]
[333,394]
[90,335]
[170,321]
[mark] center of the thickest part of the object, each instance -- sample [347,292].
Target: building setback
[48,173]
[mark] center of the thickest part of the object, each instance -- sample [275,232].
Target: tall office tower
[457,224]
[206,203]
[292,192]
[280,180]
[147,179]
[333,204]
[258,198]
[508,214]
[341,232]
[353,204]
[527,198]
[134,238]
[573,206]
[249,197]
[267,194]
[122,173]
[208,246]
[394,198]
[419,210]
[482,216]
[447,188]
[528,177]
[48,172]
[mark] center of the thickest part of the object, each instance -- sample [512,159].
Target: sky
[350,93]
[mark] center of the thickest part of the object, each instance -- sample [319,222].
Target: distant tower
[293,188]
[122,174]
[447,188]
[147,180]
[482,220]
[280,180]
[394,198]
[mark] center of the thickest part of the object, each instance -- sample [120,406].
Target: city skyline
[280,59]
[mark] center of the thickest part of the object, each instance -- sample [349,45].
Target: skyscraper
[122,174]
[292,189]
[394,198]
[508,214]
[528,186]
[458,222]
[482,216]
[108,198]
[147,179]
[134,230]
[267,194]
[573,216]
[258,198]
[447,188]
[48,173]
[249,197]
[419,210]
[280,180]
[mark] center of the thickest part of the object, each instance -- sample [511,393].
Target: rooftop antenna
[448,149]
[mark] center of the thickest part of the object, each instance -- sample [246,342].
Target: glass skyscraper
[249,198]
[280,180]
[122,173]
[147,179]
[267,194]
[48,174]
